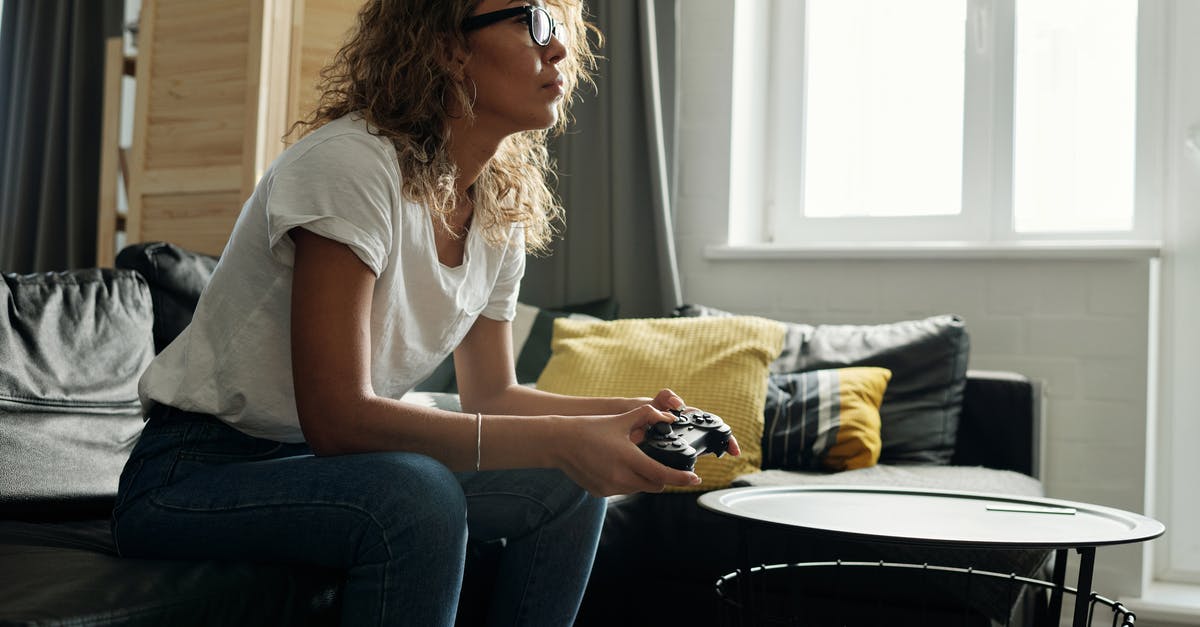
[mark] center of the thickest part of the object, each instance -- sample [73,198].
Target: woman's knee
[412,500]
[412,484]
[574,497]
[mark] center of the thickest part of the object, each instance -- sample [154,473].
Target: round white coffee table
[945,518]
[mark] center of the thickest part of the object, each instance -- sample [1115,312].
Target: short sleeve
[344,188]
[502,304]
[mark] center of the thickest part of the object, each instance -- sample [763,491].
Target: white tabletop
[935,517]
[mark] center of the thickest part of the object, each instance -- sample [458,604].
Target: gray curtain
[51,101]
[614,245]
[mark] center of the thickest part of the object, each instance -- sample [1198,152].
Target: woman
[392,234]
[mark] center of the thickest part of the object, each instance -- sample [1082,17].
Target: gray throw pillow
[928,360]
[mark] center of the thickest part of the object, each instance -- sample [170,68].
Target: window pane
[884,107]
[1073,166]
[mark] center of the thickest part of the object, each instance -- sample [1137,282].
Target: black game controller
[694,433]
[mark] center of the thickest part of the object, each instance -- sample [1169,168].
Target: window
[965,120]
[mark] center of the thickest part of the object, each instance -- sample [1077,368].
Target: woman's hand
[667,400]
[604,458]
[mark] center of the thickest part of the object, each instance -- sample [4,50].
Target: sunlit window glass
[1074,115]
[884,107]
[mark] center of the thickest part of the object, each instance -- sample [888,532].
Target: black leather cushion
[176,278]
[69,574]
[928,360]
[72,345]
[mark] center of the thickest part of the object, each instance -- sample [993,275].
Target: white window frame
[769,41]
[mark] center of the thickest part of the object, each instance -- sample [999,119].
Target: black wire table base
[775,595]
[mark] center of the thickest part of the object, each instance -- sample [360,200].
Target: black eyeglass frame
[476,22]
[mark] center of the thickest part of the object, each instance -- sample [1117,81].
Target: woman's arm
[483,368]
[340,413]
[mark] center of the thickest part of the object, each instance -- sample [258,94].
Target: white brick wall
[1079,325]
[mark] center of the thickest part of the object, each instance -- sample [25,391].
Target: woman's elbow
[324,426]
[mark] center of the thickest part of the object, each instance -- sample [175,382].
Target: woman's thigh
[198,489]
[514,503]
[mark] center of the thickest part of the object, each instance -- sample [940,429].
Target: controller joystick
[693,433]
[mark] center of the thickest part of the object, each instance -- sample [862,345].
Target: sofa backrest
[72,347]
[1001,423]
[176,278]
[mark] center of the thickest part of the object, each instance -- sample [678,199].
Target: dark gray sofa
[73,344]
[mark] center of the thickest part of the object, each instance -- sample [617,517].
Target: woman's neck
[470,147]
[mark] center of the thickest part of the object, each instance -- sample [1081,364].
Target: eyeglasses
[541,26]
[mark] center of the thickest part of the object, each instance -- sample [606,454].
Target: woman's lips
[558,85]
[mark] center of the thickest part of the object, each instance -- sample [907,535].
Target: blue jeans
[396,523]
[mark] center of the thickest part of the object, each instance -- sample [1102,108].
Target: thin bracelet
[478,437]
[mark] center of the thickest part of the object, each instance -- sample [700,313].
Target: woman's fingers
[666,399]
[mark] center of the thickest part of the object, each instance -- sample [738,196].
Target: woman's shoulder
[350,132]
[346,143]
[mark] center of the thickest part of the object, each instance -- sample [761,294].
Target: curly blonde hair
[392,70]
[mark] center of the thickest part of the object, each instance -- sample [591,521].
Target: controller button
[661,428]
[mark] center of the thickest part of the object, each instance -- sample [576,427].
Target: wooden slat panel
[198,179]
[197,90]
[199,222]
[323,30]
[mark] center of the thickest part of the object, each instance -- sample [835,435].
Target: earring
[474,96]
[474,92]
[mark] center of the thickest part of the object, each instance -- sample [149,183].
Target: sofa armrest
[1000,426]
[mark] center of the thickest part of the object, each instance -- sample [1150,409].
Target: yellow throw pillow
[824,419]
[715,364]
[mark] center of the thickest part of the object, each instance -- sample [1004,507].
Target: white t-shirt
[234,359]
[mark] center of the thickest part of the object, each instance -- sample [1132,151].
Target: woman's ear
[452,56]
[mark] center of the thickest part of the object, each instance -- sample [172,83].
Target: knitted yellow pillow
[715,364]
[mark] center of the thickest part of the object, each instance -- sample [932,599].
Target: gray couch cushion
[72,345]
[966,478]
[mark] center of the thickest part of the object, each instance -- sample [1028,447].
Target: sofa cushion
[824,419]
[966,478]
[718,365]
[69,574]
[73,345]
[928,360]
[176,277]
